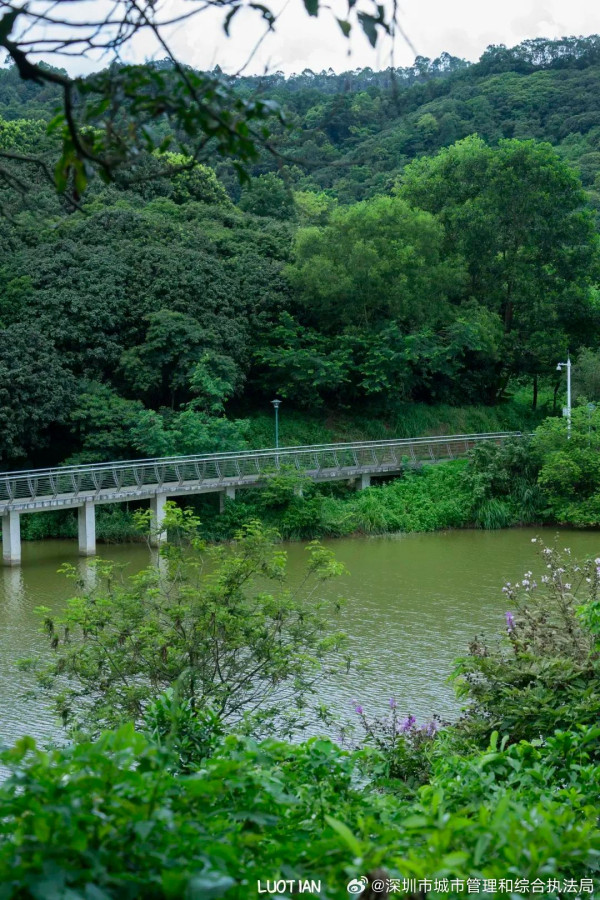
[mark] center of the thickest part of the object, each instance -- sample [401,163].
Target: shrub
[114,819]
[401,743]
[502,479]
[218,624]
[544,674]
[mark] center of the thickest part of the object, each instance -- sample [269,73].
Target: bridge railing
[248,465]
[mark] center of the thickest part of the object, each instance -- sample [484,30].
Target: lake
[413,603]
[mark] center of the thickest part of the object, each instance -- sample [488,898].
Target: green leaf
[208,886]
[346,835]
[312,7]
[369,26]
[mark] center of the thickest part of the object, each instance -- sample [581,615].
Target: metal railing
[117,480]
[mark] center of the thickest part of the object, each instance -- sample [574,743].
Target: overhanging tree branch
[107,119]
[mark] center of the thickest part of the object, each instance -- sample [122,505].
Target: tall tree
[517,215]
[375,261]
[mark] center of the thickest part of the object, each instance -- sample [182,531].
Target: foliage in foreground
[112,820]
[219,625]
[545,673]
[179,809]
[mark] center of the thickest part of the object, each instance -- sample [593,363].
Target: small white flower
[534,540]
[567,587]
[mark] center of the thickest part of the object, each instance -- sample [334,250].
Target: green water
[414,601]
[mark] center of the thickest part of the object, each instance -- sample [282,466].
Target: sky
[463,28]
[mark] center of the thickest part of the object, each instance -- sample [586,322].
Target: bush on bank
[427,499]
[111,819]
[181,809]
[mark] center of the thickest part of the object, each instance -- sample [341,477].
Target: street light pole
[276,404]
[559,367]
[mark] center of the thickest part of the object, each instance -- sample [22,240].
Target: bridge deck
[88,485]
[28,491]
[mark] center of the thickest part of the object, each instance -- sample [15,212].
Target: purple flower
[430,728]
[407,724]
[510,622]
[358,709]
[392,703]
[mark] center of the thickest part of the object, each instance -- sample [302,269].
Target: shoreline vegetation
[546,479]
[172,788]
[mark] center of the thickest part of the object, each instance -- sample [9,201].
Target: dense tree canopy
[387,254]
[516,215]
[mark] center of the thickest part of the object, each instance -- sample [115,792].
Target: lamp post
[276,404]
[559,368]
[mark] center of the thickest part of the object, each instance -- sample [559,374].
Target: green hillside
[414,251]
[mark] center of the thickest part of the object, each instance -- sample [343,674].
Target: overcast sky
[461,27]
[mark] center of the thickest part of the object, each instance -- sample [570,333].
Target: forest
[409,239]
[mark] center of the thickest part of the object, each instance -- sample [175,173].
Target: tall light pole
[276,404]
[559,367]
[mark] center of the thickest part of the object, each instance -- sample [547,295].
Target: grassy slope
[394,507]
[410,420]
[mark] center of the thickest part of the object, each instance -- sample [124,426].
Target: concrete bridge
[84,487]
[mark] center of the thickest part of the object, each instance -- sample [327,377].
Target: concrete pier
[364,481]
[86,528]
[11,538]
[158,534]
[227,494]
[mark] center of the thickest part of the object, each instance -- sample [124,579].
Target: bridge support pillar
[86,528]
[11,539]
[227,494]
[158,533]
[364,482]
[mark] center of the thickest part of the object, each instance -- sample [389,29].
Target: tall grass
[493,514]
[408,420]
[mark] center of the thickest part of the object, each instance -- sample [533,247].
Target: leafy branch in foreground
[106,119]
[219,625]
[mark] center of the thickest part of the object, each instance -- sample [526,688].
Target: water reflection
[14,588]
